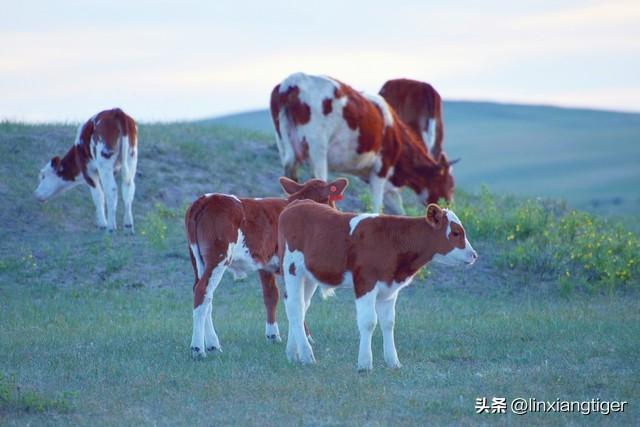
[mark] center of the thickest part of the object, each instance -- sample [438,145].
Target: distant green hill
[590,158]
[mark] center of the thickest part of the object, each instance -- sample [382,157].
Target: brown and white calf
[337,128]
[419,105]
[241,234]
[104,145]
[377,254]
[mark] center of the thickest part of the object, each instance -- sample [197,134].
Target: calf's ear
[338,186]
[434,216]
[55,163]
[289,186]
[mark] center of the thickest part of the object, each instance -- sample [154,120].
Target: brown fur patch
[416,102]
[327,106]
[292,269]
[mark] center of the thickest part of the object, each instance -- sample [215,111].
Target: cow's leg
[386,310]
[298,347]
[367,320]
[105,169]
[98,200]
[285,141]
[128,173]
[204,334]
[270,298]
[376,185]
[309,289]
[393,200]
[210,337]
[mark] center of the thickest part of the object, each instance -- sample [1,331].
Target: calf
[104,145]
[335,127]
[225,232]
[419,105]
[378,255]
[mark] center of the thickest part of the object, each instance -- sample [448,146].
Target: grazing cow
[241,234]
[338,128]
[377,254]
[106,143]
[419,105]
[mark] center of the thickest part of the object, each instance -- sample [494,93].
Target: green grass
[547,240]
[123,357]
[95,328]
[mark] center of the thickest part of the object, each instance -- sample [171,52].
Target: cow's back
[317,114]
[321,234]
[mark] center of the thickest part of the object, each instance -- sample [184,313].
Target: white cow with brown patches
[377,254]
[104,145]
[336,128]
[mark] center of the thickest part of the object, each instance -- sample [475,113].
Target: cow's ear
[434,216]
[289,186]
[338,186]
[55,163]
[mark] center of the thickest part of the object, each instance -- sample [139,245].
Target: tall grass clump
[550,241]
[155,225]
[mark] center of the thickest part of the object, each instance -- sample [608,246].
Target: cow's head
[52,180]
[315,189]
[451,243]
[435,181]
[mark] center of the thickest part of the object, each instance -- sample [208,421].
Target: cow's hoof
[394,364]
[365,367]
[128,229]
[292,356]
[274,338]
[197,354]
[214,349]
[307,359]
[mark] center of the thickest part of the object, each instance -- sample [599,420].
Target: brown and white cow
[419,105]
[377,254]
[337,128]
[106,143]
[241,234]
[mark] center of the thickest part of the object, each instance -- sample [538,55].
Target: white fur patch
[241,260]
[51,184]
[353,223]
[382,104]
[231,196]
[452,217]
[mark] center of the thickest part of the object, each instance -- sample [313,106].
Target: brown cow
[419,105]
[240,234]
[377,254]
[106,143]
[337,128]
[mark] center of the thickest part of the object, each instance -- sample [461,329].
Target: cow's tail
[191,219]
[128,142]
[437,136]
[290,146]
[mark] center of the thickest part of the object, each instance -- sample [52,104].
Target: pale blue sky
[165,60]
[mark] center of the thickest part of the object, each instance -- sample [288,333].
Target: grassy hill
[589,158]
[95,327]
